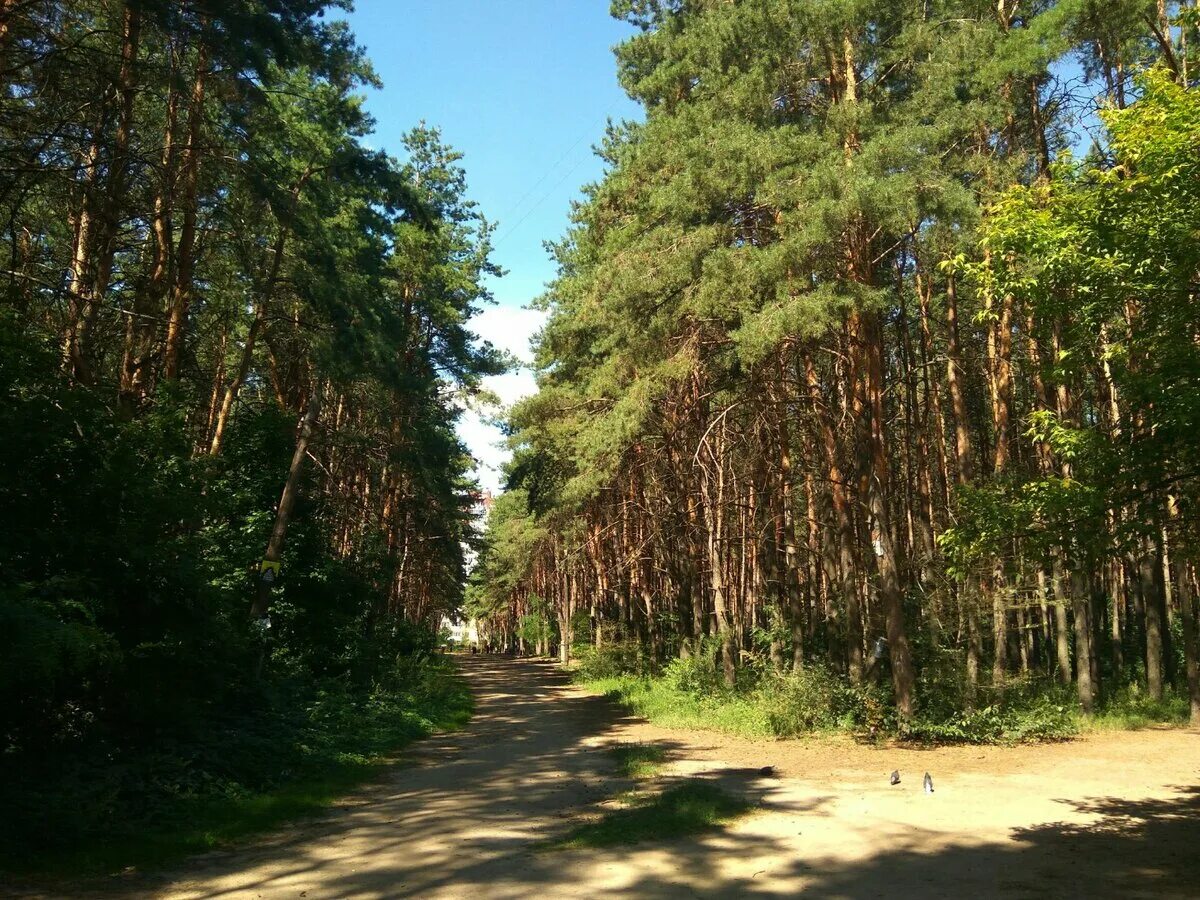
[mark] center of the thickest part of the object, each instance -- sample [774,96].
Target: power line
[546,174]
[535,206]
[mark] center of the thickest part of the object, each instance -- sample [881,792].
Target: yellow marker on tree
[269,570]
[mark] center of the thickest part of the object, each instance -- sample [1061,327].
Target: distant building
[462,632]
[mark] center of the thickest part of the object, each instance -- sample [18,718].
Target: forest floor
[476,814]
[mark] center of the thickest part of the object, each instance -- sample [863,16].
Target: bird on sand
[895,779]
[928,784]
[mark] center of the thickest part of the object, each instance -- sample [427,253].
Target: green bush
[1018,718]
[811,699]
[612,660]
[695,675]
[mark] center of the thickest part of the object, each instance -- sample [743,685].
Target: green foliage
[105,580]
[1027,710]
[1042,512]
[691,807]
[534,626]
[845,270]
[207,248]
[1109,249]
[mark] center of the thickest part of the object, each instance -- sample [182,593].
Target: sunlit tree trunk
[965,467]
[287,502]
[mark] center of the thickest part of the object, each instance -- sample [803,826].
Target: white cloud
[483,440]
[508,328]
[511,386]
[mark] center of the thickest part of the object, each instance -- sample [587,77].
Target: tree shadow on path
[1138,848]
[473,812]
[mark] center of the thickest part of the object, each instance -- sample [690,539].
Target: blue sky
[523,88]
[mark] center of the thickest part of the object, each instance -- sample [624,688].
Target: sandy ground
[1115,815]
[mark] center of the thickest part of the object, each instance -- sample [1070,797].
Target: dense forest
[234,348]
[875,353]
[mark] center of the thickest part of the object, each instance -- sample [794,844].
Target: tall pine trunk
[903,674]
[185,255]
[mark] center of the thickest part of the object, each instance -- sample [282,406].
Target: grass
[1131,711]
[639,761]
[246,778]
[660,703]
[692,807]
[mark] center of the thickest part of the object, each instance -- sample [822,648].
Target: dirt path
[1111,816]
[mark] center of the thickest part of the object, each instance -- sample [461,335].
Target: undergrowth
[765,703]
[1130,709]
[111,807]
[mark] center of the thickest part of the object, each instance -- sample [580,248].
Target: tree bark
[964,464]
[847,569]
[287,501]
[99,217]
[1081,601]
[185,259]
[791,582]
[999,349]
[714,520]
[903,675]
[1153,601]
[141,329]
[1187,613]
[256,326]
